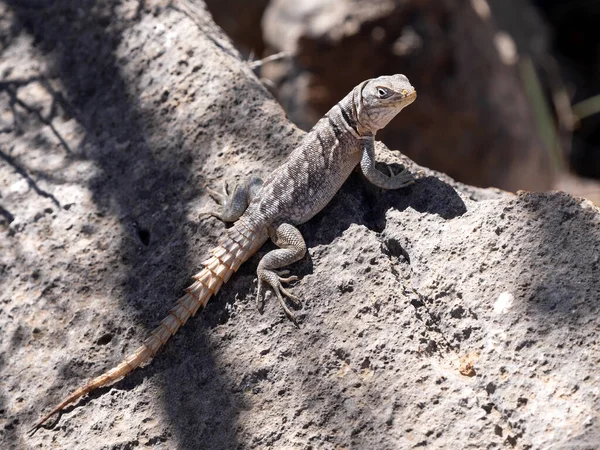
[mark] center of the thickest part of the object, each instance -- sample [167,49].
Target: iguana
[290,196]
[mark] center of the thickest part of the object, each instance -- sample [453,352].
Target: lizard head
[380,99]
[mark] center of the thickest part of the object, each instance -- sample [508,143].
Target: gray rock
[440,315]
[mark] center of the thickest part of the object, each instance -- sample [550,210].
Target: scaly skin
[291,195]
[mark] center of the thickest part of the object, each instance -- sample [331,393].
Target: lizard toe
[274,280]
[288,279]
[259,296]
[291,296]
[281,274]
[287,311]
[216,196]
[405,175]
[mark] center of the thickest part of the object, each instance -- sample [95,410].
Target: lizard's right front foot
[274,280]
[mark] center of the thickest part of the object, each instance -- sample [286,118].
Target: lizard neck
[353,104]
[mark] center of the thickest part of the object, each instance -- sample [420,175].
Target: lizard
[292,194]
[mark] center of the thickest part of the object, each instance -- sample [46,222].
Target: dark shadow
[32,184]
[559,280]
[7,215]
[141,184]
[11,87]
[428,194]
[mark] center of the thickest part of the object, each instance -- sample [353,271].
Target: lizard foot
[401,179]
[274,280]
[233,204]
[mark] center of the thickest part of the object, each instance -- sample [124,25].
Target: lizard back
[314,171]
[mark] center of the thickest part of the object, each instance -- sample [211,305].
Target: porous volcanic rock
[439,315]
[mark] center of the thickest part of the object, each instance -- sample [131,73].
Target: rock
[440,315]
[473,119]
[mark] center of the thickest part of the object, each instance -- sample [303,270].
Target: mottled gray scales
[291,195]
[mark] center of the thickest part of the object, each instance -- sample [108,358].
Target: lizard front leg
[292,248]
[367,165]
[232,205]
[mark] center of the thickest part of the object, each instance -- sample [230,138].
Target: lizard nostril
[404,92]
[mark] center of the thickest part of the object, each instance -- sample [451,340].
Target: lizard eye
[383,92]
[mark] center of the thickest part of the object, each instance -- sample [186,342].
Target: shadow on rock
[361,203]
[560,271]
[427,195]
[140,185]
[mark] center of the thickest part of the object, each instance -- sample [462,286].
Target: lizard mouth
[405,98]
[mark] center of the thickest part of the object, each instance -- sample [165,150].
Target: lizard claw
[402,178]
[274,280]
[291,296]
[219,197]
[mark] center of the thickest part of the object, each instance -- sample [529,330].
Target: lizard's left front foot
[379,179]
[399,180]
[394,181]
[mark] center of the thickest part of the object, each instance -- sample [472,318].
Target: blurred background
[509,90]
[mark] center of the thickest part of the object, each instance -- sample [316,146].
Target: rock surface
[439,316]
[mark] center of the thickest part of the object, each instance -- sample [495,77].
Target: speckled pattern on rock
[114,121]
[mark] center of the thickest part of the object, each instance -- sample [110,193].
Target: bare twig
[275,57]
[21,171]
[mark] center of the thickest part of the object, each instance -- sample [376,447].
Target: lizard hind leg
[232,205]
[292,248]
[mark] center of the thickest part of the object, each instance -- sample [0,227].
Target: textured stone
[441,315]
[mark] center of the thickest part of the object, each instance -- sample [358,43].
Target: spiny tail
[239,245]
